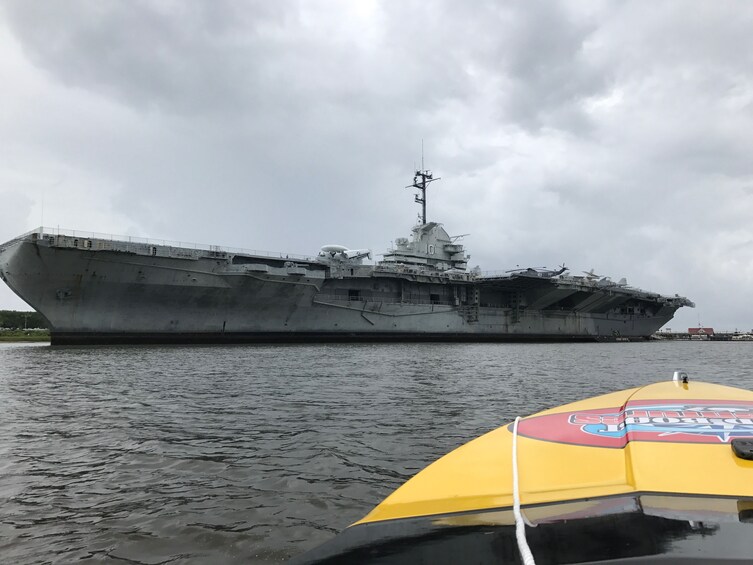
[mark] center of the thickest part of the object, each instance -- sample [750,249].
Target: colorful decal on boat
[702,421]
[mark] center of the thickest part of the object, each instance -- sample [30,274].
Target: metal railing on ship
[46,231]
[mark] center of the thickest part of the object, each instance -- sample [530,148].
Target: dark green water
[256,453]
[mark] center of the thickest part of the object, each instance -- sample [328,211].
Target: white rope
[520,527]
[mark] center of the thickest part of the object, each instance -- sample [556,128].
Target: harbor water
[254,454]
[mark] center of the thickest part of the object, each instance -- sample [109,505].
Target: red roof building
[701,331]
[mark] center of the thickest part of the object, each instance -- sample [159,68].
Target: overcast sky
[616,136]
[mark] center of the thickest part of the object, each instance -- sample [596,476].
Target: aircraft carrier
[99,289]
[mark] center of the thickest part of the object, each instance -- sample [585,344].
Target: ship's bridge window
[354,294]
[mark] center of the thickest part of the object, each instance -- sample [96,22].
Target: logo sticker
[658,420]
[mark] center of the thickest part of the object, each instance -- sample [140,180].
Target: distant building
[701,331]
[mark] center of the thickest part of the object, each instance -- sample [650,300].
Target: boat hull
[645,475]
[110,338]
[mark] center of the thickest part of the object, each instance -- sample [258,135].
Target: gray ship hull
[93,290]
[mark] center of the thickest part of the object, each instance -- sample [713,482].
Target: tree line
[15,320]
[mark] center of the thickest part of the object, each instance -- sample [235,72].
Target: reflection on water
[647,529]
[256,453]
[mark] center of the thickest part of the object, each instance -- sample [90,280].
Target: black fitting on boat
[743,448]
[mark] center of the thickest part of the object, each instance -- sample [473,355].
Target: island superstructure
[101,289]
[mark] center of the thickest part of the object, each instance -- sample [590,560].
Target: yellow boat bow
[624,476]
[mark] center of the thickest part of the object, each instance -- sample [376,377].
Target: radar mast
[421,180]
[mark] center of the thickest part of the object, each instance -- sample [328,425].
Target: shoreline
[14,337]
[17,336]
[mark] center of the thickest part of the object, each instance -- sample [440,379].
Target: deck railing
[47,231]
